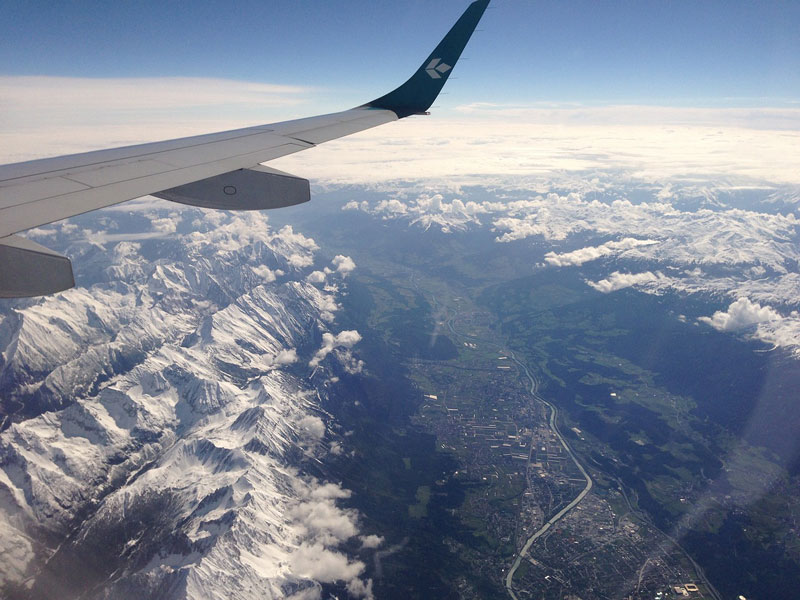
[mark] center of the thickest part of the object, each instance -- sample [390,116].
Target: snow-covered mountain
[163,416]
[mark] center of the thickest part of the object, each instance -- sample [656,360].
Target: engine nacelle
[257,188]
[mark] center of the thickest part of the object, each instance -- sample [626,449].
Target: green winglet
[417,94]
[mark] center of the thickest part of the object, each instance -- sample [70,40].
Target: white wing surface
[218,170]
[42,191]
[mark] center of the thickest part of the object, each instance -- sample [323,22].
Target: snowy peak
[162,418]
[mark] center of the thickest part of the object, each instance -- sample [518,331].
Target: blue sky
[687,53]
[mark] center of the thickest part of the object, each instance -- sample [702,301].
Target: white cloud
[322,527]
[329,491]
[358,589]
[316,277]
[578,257]
[353,205]
[327,305]
[760,322]
[350,363]
[315,561]
[311,427]
[566,114]
[46,116]
[165,225]
[348,339]
[52,115]
[298,261]
[344,339]
[617,281]
[740,314]
[285,357]
[426,210]
[266,274]
[324,521]
[712,250]
[371,541]
[344,264]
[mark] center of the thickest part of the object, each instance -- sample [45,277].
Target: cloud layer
[46,116]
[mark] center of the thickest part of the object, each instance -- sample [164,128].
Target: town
[523,477]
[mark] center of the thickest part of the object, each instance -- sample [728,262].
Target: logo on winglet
[437,68]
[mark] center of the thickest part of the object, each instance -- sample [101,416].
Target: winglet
[417,94]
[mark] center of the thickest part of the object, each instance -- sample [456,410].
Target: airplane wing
[218,170]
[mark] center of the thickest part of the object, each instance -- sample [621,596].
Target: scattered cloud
[266,274]
[311,427]
[286,357]
[692,234]
[165,225]
[344,339]
[316,277]
[323,520]
[344,264]
[329,491]
[322,527]
[427,210]
[371,541]
[295,534]
[617,281]
[298,261]
[359,589]
[584,255]
[315,561]
[288,235]
[758,322]
[740,314]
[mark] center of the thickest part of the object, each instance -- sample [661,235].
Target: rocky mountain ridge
[165,416]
